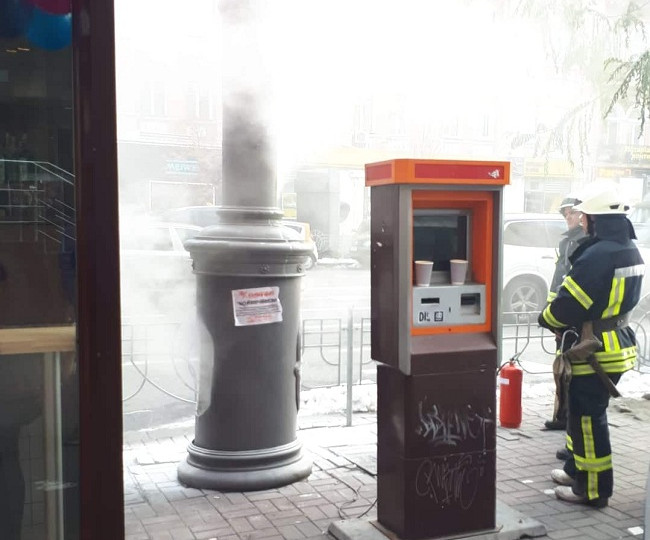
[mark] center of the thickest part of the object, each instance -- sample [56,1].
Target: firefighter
[597,296]
[568,244]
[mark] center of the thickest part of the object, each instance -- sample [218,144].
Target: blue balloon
[51,32]
[14,18]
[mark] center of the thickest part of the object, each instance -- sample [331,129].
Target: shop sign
[612,172]
[637,154]
[179,166]
[550,167]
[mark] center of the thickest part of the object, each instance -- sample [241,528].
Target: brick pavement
[343,482]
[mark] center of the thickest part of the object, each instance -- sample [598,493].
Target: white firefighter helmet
[609,201]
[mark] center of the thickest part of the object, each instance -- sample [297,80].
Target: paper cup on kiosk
[423,273]
[458,270]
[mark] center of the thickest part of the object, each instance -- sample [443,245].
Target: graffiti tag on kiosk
[450,482]
[453,426]
[260,305]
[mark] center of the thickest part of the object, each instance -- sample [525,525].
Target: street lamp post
[248,269]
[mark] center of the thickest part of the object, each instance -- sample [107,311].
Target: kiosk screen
[439,236]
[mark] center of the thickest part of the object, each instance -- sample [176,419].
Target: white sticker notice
[256,306]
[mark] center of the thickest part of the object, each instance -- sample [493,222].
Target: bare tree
[598,40]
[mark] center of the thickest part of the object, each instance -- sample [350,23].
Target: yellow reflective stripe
[569,442]
[611,361]
[622,366]
[607,312]
[606,356]
[616,367]
[607,341]
[592,485]
[615,298]
[576,291]
[582,370]
[551,296]
[611,344]
[550,319]
[587,437]
[590,456]
[595,465]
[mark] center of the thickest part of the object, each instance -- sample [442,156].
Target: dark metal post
[248,270]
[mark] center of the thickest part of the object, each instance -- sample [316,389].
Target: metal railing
[325,336]
[335,354]
[37,203]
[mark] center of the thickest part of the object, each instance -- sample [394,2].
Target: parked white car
[304,230]
[205,216]
[155,267]
[530,244]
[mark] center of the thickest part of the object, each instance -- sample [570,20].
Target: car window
[643,234]
[641,213]
[185,233]
[525,233]
[160,240]
[294,227]
[152,238]
[555,229]
[181,215]
[204,217]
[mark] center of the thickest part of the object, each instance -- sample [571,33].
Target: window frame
[98,304]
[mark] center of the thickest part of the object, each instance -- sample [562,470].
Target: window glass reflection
[38,366]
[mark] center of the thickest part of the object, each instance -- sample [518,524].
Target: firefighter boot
[555,425]
[560,477]
[565,493]
[563,454]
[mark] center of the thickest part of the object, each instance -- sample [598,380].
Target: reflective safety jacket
[604,282]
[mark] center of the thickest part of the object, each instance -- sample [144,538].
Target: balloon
[51,32]
[54,7]
[14,18]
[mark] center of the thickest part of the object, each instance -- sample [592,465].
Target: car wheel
[310,263]
[523,296]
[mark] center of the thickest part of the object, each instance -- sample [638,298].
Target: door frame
[98,288]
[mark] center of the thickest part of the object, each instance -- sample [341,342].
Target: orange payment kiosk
[435,287]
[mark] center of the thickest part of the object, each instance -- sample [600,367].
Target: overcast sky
[449,58]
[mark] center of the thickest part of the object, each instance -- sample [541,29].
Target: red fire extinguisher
[510,379]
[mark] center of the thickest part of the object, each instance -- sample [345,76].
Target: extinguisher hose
[502,366]
[515,360]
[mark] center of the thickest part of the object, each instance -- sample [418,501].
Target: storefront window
[39,420]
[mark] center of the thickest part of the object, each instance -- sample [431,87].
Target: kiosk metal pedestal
[436,343]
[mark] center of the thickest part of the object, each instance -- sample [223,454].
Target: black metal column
[245,436]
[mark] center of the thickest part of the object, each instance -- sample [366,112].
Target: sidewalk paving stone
[343,482]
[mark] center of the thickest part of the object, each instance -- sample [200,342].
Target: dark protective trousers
[588,437]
